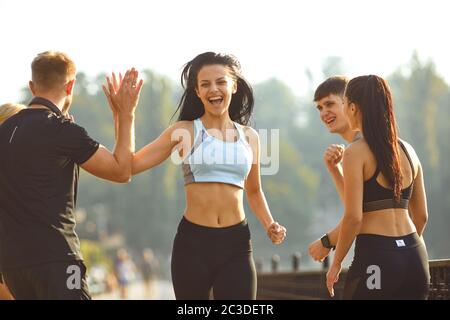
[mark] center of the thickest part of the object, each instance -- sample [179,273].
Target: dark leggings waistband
[364,241]
[188,226]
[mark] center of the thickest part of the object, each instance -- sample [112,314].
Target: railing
[440,280]
[311,285]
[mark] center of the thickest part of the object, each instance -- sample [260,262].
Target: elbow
[421,220]
[354,220]
[134,172]
[253,193]
[424,219]
[418,215]
[124,174]
[123,178]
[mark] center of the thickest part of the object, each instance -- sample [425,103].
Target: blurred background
[286,49]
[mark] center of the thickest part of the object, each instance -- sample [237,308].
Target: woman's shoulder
[249,128]
[251,135]
[250,131]
[179,129]
[411,152]
[183,124]
[358,146]
[408,147]
[358,152]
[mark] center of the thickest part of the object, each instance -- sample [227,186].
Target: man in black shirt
[41,150]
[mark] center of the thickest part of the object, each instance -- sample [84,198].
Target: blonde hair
[52,69]
[9,109]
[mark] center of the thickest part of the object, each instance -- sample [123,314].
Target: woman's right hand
[123,95]
[276,233]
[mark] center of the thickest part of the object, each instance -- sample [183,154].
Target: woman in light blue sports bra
[212,251]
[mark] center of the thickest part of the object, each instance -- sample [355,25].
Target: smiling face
[331,109]
[215,88]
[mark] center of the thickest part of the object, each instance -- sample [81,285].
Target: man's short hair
[333,85]
[52,69]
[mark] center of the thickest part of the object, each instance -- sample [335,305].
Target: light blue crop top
[214,160]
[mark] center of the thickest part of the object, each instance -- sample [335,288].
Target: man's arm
[353,213]
[316,249]
[333,234]
[332,158]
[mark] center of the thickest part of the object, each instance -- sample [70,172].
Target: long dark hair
[191,107]
[373,97]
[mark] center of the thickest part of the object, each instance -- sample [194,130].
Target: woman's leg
[417,282]
[236,279]
[190,275]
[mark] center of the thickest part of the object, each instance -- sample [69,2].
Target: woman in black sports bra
[385,203]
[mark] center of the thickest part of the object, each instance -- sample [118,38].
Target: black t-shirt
[39,157]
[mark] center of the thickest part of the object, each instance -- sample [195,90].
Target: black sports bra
[377,197]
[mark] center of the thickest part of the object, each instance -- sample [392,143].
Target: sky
[278,38]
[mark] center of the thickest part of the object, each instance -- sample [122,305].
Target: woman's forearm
[347,234]
[116,126]
[420,225]
[258,204]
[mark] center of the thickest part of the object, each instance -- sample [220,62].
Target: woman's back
[387,221]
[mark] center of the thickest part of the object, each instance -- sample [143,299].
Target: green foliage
[95,254]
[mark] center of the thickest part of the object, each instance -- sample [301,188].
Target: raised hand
[333,155]
[276,233]
[123,94]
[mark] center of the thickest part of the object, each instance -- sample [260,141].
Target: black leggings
[205,258]
[388,268]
